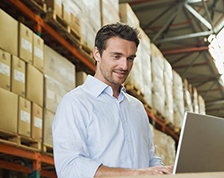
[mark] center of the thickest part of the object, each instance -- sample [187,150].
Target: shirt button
[124,121]
[128,140]
[133,162]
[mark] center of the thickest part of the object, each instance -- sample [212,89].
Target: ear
[96,54]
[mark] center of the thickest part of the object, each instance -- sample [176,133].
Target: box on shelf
[178,99]
[195,100]
[76,15]
[36,121]
[109,12]
[38,52]
[24,118]
[66,11]
[55,6]
[54,92]
[58,67]
[80,78]
[48,120]
[127,15]
[201,104]
[8,110]
[25,43]
[35,85]
[9,33]
[5,70]
[18,76]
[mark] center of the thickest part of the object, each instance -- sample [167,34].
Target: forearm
[104,171]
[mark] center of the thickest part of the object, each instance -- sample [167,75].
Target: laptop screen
[201,144]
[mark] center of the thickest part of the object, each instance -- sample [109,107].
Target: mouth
[121,73]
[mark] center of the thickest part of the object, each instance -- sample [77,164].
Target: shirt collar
[96,87]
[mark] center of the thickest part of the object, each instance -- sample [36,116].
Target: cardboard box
[25,43]
[55,6]
[24,123]
[66,12]
[8,110]
[80,78]
[9,33]
[36,121]
[76,15]
[18,76]
[5,70]
[50,89]
[48,120]
[38,52]
[127,15]
[35,85]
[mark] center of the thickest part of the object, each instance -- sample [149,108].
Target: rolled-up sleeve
[71,154]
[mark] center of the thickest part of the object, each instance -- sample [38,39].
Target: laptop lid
[201,144]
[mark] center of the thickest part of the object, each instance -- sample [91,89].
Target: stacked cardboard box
[80,78]
[195,100]
[21,49]
[9,33]
[127,15]
[168,83]
[201,104]
[164,147]
[109,12]
[178,99]
[146,65]
[187,96]
[59,78]
[5,70]
[158,89]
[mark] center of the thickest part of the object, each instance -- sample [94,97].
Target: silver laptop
[201,144]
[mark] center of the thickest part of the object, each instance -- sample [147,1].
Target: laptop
[201,144]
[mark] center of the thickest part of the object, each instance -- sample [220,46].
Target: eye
[116,57]
[131,58]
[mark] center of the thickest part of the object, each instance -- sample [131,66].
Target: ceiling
[180,29]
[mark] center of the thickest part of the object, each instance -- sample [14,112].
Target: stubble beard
[111,79]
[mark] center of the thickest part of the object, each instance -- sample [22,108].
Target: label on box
[50,94]
[26,45]
[38,52]
[4,69]
[25,116]
[38,122]
[19,76]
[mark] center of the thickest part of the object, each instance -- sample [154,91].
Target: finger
[165,170]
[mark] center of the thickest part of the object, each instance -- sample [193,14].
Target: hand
[155,170]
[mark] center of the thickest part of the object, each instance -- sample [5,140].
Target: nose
[124,63]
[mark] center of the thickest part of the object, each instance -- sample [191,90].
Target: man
[100,130]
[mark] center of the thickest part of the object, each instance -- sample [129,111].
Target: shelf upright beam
[30,14]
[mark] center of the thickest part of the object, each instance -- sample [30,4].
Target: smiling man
[99,129]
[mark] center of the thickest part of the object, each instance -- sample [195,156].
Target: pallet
[161,117]
[37,6]
[135,91]
[21,141]
[57,22]
[63,28]
[148,108]
[47,149]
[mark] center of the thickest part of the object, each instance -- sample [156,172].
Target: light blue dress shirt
[91,127]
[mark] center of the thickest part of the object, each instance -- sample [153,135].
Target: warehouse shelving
[36,157]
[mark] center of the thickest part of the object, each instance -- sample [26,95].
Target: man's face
[116,61]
